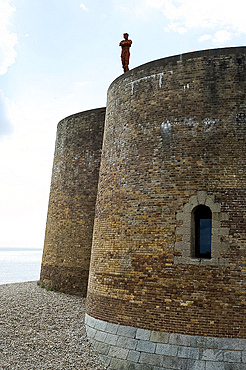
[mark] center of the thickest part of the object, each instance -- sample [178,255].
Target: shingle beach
[42,329]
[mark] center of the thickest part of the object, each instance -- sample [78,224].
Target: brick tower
[68,237]
[167,285]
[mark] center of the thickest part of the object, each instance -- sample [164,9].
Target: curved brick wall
[67,246]
[174,138]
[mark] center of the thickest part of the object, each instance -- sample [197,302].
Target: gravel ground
[43,330]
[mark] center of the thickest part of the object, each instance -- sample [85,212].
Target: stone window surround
[186,245]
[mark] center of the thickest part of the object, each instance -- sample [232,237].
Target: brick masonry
[69,228]
[175,133]
[126,347]
[174,138]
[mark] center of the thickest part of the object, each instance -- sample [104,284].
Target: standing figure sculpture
[125,53]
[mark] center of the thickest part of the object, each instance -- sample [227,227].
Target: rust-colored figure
[125,53]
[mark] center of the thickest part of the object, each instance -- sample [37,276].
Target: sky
[58,57]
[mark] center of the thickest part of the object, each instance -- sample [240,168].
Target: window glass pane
[205,235]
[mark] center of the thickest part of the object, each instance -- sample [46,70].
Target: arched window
[198,232]
[203,231]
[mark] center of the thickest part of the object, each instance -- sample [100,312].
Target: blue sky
[58,57]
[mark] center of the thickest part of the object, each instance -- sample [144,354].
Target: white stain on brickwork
[89,158]
[191,121]
[159,76]
[57,170]
[137,81]
[126,261]
[209,123]
[206,125]
[165,126]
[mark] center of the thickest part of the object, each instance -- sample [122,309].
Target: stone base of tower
[125,347]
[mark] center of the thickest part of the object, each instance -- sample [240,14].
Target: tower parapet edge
[69,227]
[173,141]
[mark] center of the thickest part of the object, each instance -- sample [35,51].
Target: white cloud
[185,15]
[83,83]
[209,13]
[6,127]
[176,27]
[222,36]
[225,16]
[84,7]
[25,174]
[8,39]
[70,96]
[205,38]
[136,8]
[157,4]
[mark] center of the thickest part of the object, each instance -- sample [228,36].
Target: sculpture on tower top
[125,52]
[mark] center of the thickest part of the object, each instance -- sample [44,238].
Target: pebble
[42,329]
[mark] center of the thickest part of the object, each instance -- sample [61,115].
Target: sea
[19,265]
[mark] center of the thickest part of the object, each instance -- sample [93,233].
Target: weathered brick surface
[174,127]
[69,228]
